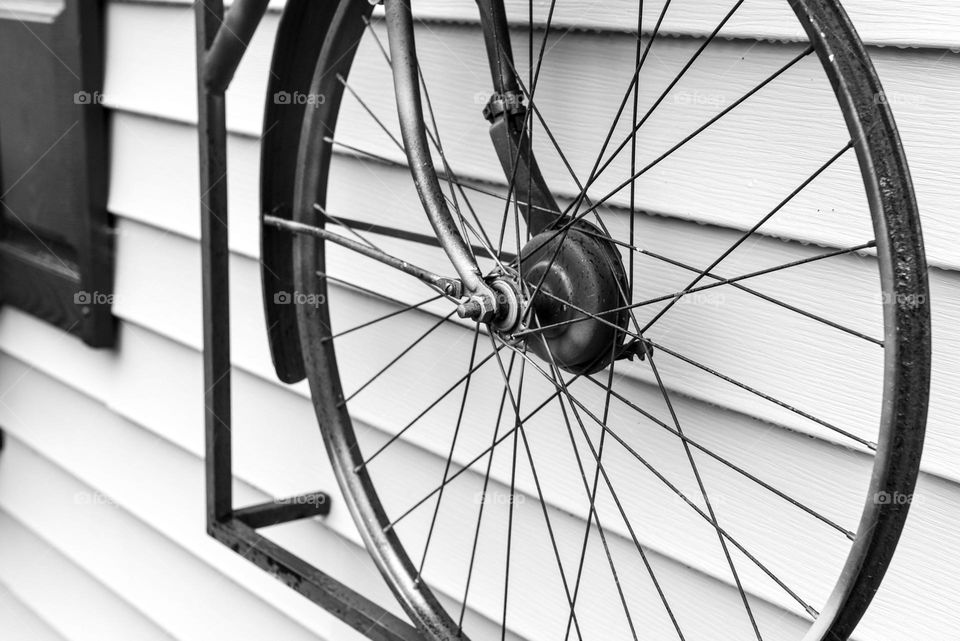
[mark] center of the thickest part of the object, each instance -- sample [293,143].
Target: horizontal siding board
[66,597]
[150,89]
[848,296]
[175,491]
[924,23]
[65,453]
[880,22]
[131,558]
[276,412]
[175,488]
[784,136]
[249,412]
[20,622]
[249,281]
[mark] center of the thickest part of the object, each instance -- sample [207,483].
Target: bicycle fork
[507,116]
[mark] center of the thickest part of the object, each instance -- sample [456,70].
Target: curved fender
[300,36]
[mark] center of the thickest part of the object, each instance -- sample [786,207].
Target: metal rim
[907,326]
[903,272]
[336,57]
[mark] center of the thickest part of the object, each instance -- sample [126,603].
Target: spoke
[598,455]
[565,229]
[750,232]
[550,136]
[634,80]
[620,397]
[453,445]
[452,180]
[449,287]
[686,67]
[518,432]
[396,436]
[525,128]
[633,149]
[448,174]
[591,491]
[635,175]
[473,184]
[366,290]
[563,389]
[506,573]
[734,283]
[479,456]
[369,111]
[396,358]
[765,297]
[403,234]
[483,494]
[810,610]
[376,39]
[543,501]
[531,129]
[868,444]
[593,207]
[588,316]
[513,486]
[767,397]
[384,317]
[339,221]
[596,473]
[694,467]
[703,491]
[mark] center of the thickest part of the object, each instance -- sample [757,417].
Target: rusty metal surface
[223,522]
[344,603]
[903,275]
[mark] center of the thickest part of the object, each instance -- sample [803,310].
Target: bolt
[470,309]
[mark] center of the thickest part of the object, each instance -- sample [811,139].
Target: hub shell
[584,279]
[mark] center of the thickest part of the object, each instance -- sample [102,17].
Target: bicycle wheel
[599,462]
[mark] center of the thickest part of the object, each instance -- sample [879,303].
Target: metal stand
[221,43]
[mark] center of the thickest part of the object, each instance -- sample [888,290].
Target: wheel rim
[906,350]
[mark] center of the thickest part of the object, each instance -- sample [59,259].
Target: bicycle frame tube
[230,43]
[406,79]
[509,126]
[496,36]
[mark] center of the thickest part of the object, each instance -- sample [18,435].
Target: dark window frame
[56,236]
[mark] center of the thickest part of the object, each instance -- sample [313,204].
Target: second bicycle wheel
[710,424]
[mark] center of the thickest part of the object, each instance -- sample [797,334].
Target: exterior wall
[101,493]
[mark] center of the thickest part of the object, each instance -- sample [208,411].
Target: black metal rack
[221,42]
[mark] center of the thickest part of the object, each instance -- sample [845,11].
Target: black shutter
[56,242]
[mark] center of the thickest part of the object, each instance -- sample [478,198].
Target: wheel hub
[579,302]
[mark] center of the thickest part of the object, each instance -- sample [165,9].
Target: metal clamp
[510,102]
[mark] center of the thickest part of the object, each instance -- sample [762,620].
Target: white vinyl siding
[102,474]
